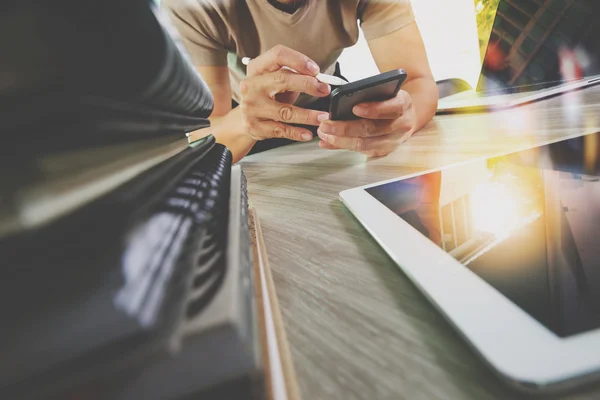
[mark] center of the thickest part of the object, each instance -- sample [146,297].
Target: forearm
[229,131]
[404,48]
[424,94]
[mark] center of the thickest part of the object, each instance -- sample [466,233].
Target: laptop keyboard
[163,258]
[179,86]
[204,194]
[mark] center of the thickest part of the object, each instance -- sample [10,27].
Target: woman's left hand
[382,127]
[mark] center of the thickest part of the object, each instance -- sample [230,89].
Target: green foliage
[485,11]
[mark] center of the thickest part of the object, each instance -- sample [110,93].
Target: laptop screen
[537,44]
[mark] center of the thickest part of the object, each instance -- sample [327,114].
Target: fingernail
[306,136]
[327,128]
[361,111]
[322,135]
[312,67]
[324,88]
[322,117]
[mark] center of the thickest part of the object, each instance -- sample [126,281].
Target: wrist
[229,130]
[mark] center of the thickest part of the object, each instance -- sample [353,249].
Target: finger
[368,145]
[260,130]
[377,153]
[349,143]
[383,145]
[281,56]
[287,113]
[325,145]
[389,109]
[285,81]
[356,128]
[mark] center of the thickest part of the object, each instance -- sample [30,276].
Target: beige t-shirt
[222,32]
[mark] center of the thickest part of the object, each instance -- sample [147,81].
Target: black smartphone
[376,88]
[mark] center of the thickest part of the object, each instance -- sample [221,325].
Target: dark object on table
[125,251]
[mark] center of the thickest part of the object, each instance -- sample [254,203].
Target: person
[265,101]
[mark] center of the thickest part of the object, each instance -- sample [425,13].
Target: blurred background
[451,36]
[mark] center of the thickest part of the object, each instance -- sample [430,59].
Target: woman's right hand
[269,90]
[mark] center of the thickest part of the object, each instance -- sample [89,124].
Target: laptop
[125,252]
[535,50]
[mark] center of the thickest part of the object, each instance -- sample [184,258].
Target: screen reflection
[527,223]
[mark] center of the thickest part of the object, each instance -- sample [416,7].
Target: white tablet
[508,250]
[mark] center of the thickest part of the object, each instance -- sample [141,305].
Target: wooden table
[358,328]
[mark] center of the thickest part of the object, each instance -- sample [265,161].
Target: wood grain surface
[358,329]
[261,262]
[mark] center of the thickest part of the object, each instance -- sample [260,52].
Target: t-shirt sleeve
[381,17]
[200,30]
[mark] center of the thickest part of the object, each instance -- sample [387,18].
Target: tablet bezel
[517,346]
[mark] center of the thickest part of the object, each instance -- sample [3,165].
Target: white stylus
[328,79]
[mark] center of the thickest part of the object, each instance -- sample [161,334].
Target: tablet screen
[528,223]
